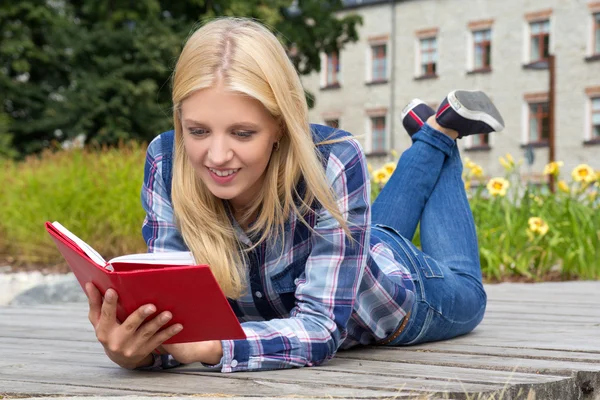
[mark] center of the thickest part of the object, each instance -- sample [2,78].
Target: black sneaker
[469,112]
[415,114]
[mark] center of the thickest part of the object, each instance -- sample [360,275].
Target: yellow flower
[390,167]
[538,225]
[508,163]
[470,164]
[370,168]
[592,195]
[394,153]
[553,168]
[381,176]
[583,173]
[498,186]
[467,185]
[563,187]
[477,171]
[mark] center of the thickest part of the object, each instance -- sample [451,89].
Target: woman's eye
[197,132]
[243,134]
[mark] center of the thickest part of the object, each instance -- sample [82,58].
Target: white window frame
[588,117]
[369,130]
[418,58]
[592,35]
[471,45]
[527,37]
[370,58]
[323,74]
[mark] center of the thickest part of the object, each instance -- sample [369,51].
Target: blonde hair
[245,57]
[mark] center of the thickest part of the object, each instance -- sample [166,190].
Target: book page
[166,258]
[87,249]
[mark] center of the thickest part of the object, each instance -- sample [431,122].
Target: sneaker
[414,115]
[469,112]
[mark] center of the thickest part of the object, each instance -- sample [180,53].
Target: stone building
[426,48]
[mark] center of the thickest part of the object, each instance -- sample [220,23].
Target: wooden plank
[500,363]
[208,383]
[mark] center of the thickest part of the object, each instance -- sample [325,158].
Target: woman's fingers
[164,335]
[94,301]
[133,322]
[108,311]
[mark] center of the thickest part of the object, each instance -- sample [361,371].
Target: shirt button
[234,363]
[258,294]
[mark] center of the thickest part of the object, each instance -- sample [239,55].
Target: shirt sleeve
[159,230]
[325,295]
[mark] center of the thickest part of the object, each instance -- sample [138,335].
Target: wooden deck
[543,338]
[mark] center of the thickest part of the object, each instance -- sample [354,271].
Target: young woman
[280,210]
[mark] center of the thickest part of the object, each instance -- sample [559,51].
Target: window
[539,123]
[596,43]
[483,49]
[378,140]
[333,122]
[540,41]
[595,118]
[481,140]
[332,69]
[379,63]
[428,49]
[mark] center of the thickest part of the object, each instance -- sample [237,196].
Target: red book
[170,281]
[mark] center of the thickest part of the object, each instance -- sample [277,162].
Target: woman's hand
[128,344]
[208,352]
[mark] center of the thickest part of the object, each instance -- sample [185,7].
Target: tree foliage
[102,68]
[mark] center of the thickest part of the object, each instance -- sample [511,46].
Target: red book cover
[189,292]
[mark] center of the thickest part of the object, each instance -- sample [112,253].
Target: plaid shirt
[322,292]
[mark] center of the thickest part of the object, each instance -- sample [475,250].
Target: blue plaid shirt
[324,293]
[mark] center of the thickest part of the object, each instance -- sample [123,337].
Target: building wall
[507,84]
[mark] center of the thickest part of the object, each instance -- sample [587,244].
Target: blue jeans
[427,186]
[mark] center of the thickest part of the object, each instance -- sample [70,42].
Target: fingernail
[149,310]
[109,295]
[177,328]
[165,317]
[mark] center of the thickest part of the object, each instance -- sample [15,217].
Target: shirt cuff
[236,356]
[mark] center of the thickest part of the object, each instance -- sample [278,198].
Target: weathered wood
[542,337]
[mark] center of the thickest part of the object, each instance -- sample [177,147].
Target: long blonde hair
[245,57]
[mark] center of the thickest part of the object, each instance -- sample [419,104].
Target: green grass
[95,194]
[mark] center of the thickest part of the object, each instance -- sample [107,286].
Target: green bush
[94,193]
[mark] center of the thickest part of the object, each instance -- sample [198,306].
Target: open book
[171,281]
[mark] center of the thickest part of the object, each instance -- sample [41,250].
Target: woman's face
[228,138]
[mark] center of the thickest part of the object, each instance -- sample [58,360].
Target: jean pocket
[428,267]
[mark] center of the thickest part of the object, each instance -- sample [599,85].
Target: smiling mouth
[225,173]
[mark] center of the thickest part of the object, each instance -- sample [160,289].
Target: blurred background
[85,85]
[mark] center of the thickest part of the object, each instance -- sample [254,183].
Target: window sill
[480,71]
[377,154]
[478,148]
[592,58]
[535,145]
[331,86]
[377,82]
[592,142]
[539,64]
[425,77]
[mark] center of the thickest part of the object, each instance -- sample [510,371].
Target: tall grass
[94,193]
[566,244]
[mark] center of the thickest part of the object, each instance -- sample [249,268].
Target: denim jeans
[427,187]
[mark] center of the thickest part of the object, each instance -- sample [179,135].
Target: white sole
[413,103]
[465,108]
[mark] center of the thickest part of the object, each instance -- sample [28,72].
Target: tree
[102,68]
